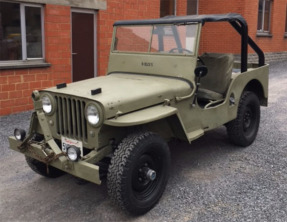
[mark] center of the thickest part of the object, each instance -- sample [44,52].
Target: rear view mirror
[200,71]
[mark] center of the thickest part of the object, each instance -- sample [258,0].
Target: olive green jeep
[157,88]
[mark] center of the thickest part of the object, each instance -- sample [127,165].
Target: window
[192,7]
[167,7]
[157,39]
[21,31]
[264,15]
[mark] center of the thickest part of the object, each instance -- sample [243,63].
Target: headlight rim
[53,104]
[100,112]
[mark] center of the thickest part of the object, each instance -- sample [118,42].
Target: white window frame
[23,30]
[261,30]
[23,34]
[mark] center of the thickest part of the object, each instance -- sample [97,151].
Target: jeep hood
[124,93]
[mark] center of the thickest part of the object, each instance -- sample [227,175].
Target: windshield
[179,39]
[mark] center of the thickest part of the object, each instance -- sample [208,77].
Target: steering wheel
[180,49]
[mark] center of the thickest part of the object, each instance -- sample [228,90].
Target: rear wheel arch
[256,87]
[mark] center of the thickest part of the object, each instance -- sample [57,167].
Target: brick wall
[17,85]
[120,10]
[227,39]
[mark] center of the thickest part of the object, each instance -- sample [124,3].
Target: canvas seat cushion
[206,94]
[215,84]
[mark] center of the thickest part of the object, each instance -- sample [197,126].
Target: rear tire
[243,130]
[41,168]
[129,183]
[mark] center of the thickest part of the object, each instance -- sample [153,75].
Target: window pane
[33,32]
[133,39]
[191,8]
[267,14]
[167,7]
[174,39]
[10,32]
[260,15]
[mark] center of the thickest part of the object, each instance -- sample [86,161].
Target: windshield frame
[196,27]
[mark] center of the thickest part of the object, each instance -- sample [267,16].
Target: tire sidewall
[251,102]
[124,166]
[237,132]
[142,148]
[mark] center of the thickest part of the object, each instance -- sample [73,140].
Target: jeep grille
[71,120]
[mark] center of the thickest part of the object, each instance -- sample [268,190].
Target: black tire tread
[234,127]
[122,157]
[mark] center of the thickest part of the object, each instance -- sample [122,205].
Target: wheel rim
[146,175]
[249,120]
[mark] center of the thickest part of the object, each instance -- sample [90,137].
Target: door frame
[87,11]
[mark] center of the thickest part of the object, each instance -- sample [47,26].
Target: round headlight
[92,114]
[73,153]
[47,104]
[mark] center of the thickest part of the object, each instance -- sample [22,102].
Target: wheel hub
[146,174]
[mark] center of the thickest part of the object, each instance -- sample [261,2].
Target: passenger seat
[214,85]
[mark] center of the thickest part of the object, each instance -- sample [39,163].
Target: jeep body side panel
[198,119]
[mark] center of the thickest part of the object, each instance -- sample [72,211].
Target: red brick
[47,84]
[7,72]
[18,109]
[21,86]
[21,101]
[21,71]
[29,78]
[8,87]
[27,93]
[15,79]
[66,26]
[15,94]
[3,79]
[5,111]
[29,106]
[36,70]
[6,103]
[35,85]
[4,95]
[41,77]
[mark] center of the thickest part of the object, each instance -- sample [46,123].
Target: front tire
[243,130]
[41,168]
[138,172]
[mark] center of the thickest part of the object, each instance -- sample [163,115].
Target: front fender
[142,116]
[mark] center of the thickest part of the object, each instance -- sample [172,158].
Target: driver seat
[215,84]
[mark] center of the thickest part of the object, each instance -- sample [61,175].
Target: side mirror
[200,71]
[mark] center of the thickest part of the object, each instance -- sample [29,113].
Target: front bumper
[85,168]
[81,169]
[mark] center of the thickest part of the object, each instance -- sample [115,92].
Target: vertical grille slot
[71,120]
